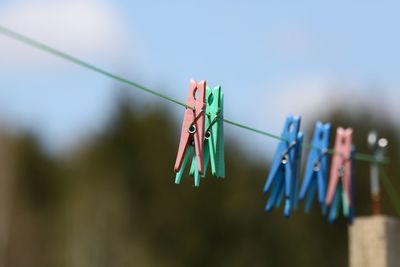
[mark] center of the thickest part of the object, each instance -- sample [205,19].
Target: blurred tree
[113,202]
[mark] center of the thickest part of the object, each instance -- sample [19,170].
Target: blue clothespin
[283,177]
[316,173]
[297,166]
[277,192]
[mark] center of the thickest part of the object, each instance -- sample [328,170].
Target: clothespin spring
[216,118]
[192,128]
[317,162]
[285,157]
[341,171]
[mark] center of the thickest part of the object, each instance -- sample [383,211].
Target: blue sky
[272,59]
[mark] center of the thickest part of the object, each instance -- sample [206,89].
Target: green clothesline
[19,37]
[41,46]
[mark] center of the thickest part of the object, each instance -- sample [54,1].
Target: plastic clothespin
[348,211]
[283,178]
[214,135]
[221,141]
[316,173]
[297,166]
[192,133]
[277,192]
[340,182]
[350,217]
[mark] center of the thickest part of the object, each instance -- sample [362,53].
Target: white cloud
[88,29]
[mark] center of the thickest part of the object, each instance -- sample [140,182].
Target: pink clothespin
[193,125]
[341,166]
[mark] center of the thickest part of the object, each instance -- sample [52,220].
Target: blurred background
[86,164]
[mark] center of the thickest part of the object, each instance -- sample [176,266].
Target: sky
[272,58]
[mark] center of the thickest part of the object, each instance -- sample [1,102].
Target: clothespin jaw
[285,167]
[179,174]
[340,182]
[192,133]
[316,173]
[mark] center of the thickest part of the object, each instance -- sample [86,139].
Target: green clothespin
[178,176]
[213,120]
[213,142]
[346,205]
[221,142]
[196,173]
[214,134]
[337,204]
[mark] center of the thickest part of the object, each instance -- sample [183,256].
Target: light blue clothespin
[316,173]
[283,177]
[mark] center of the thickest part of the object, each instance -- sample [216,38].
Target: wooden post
[375,242]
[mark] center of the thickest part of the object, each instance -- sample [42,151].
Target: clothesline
[41,46]
[393,195]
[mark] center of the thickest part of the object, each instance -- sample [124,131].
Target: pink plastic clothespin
[341,166]
[193,125]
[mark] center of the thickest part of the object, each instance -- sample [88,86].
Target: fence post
[374,242]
